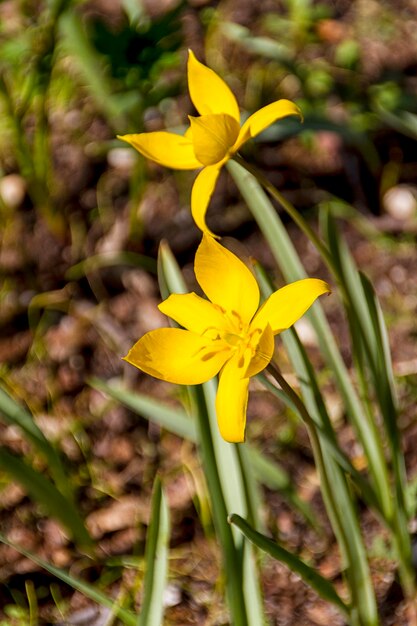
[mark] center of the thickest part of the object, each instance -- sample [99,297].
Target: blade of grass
[156,560]
[221,470]
[370,342]
[42,491]
[336,493]
[235,487]
[232,554]
[292,269]
[86,589]
[13,413]
[361,484]
[175,421]
[316,581]
[111,259]
[92,67]
[179,423]
[384,384]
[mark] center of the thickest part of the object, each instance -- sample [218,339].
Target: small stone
[12,190]
[172,596]
[121,158]
[401,202]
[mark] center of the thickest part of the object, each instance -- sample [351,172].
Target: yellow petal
[226,280]
[263,352]
[213,136]
[192,312]
[263,118]
[231,402]
[284,307]
[208,92]
[168,149]
[177,356]
[201,193]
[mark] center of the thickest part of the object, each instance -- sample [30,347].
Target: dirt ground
[64,321]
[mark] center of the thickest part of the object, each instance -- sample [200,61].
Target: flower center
[213,136]
[234,337]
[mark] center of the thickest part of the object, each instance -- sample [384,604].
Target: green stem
[363,610]
[394,516]
[289,208]
[232,560]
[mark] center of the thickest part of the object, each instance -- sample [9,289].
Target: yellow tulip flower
[226,333]
[212,138]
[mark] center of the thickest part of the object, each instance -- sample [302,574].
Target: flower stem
[289,208]
[342,514]
[232,559]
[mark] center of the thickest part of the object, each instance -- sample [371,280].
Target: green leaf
[13,413]
[225,477]
[292,269]
[156,560]
[91,67]
[110,259]
[85,588]
[336,492]
[45,494]
[316,581]
[365,320]
[178,422]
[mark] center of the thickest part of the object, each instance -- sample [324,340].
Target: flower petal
[201,193]
[168,149]
[208,92]
[263,118]
[226,280]
[284,307]
[231,402]
[263,352]
[213,136]
[193,312]
[177,356]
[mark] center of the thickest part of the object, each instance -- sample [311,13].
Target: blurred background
[81,218]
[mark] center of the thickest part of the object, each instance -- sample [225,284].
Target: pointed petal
[168,149]
[263,118]
[284,307]
[231,402]
[193,312]
[263,352]
[226,280]
[208,92]
[201,193]
[177,356]
[213,136]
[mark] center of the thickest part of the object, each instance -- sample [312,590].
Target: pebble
[12,190]
[401,202]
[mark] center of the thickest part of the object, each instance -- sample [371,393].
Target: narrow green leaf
[46,494]
[13,413]
[111,259]
[169,274]
[156,560]
[292,269]
[176,421]
[316,581]
[364,319]
[224,480]
[79,585]
[92,67]
[336,492]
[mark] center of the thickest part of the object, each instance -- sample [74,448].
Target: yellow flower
[226,333]
[212,138]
